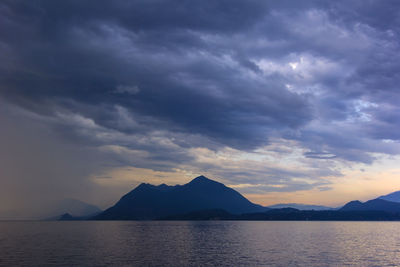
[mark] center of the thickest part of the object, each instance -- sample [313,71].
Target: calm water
[200,243]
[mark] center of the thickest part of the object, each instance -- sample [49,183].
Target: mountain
[73,207]
[388,203]
[147,201]
[372,205]
[68,217]
[300,206]
[394,197]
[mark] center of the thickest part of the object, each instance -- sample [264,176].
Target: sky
[284,101]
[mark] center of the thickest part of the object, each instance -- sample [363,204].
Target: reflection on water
[200,243]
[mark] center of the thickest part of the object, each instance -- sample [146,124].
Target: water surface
[228,243]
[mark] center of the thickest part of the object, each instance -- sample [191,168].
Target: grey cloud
[128,89]
[201,91]
[320,155]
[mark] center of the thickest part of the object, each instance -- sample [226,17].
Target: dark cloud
[193,88]
[320,155]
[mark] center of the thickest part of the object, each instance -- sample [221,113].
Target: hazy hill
[300,206]
[151,202]
[53,211]
[72,207]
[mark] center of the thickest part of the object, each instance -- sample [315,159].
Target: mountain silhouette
[394,197]
[147,201]
[372,205]
[67,217]
[300,206]
[73,207]
[289,214]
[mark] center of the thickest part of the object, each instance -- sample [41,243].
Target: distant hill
[289,214]
[53,211]
[72,207]
[394,197]
[372,205]
[299,206]
[69,217]
[151,202]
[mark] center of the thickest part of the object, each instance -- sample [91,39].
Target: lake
[199,243]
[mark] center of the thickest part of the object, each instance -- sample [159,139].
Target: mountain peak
[201,179]
[143,185]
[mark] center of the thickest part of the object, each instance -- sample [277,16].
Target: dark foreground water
[228,243]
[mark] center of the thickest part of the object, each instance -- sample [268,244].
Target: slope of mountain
[394,197]
[151,202]
[300,206]
[372,205]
